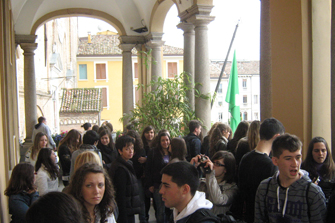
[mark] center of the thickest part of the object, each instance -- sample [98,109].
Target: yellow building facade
[102,68]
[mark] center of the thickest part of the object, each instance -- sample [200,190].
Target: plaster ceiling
[122,14]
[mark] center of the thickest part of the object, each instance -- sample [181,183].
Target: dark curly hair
[138,145]
[44,157]
[107,204]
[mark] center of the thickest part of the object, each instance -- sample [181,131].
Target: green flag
[232,94]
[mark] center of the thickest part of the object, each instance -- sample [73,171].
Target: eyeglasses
[218,164]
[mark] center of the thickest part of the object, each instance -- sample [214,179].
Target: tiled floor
[152,218]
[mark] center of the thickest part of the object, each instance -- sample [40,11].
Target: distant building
[55,68]
[99,65]
[248,79]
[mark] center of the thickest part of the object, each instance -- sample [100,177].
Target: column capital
[25,39]
[154,40]
[186,27]
[201,20]
[126,47]
[28,47]
[196,10]
[132,39]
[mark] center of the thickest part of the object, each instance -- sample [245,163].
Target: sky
[220,31]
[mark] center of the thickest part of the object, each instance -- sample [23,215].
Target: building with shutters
[99,65]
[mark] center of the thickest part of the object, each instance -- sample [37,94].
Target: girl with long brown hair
[67,146]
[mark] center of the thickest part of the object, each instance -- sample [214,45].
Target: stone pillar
[265,62]
[333,77]
[321,97]
[202,70]
[127,80]
[156,44]
[189,45]
[29,88]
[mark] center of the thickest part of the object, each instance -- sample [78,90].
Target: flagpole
[224,65]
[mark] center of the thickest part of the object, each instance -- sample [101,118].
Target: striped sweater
[289,204]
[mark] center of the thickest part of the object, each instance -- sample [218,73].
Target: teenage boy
[289,196]
[179,191]
[256,166]
[192,140]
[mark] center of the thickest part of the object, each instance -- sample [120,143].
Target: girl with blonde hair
[86,157]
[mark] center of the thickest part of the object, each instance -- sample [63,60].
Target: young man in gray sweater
[289,196]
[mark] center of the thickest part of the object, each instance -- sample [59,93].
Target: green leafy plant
[165,107]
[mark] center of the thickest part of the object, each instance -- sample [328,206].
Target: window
[172,69]
[136,70]
[104,97]
[82,72]
[255,99]
[244,83]
[220,100]
[245,99]
[220,116]
[245,115]
[137,95]
[220,89]
[256,116]
[100,71]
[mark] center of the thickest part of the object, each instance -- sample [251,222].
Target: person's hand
[209,163]
[195,160]
[152,189]
[103,162]
[142,159]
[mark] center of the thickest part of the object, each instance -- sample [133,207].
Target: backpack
[266,193]
[205,215]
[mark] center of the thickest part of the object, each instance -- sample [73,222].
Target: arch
[158,15]
[80,12]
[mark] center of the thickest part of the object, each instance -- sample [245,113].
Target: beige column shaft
[265,62]
[127,80]
[321,97]
[189,45]
[333,77]
[29,88]
[202,71]
[155,44]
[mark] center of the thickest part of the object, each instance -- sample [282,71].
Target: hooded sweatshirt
[197,202]
[289,204]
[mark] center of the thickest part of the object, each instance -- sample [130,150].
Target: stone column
[29,88]
[333,77]
[321,96]
[202,70]
[189,45]
[127,80]
[265,62]
[156,44]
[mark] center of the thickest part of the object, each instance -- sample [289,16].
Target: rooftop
[108,44]
[79,100]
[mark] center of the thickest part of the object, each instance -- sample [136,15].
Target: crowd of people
[251,175]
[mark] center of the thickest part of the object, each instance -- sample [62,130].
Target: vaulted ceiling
[124,15]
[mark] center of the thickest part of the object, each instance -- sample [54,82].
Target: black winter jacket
[127,194]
